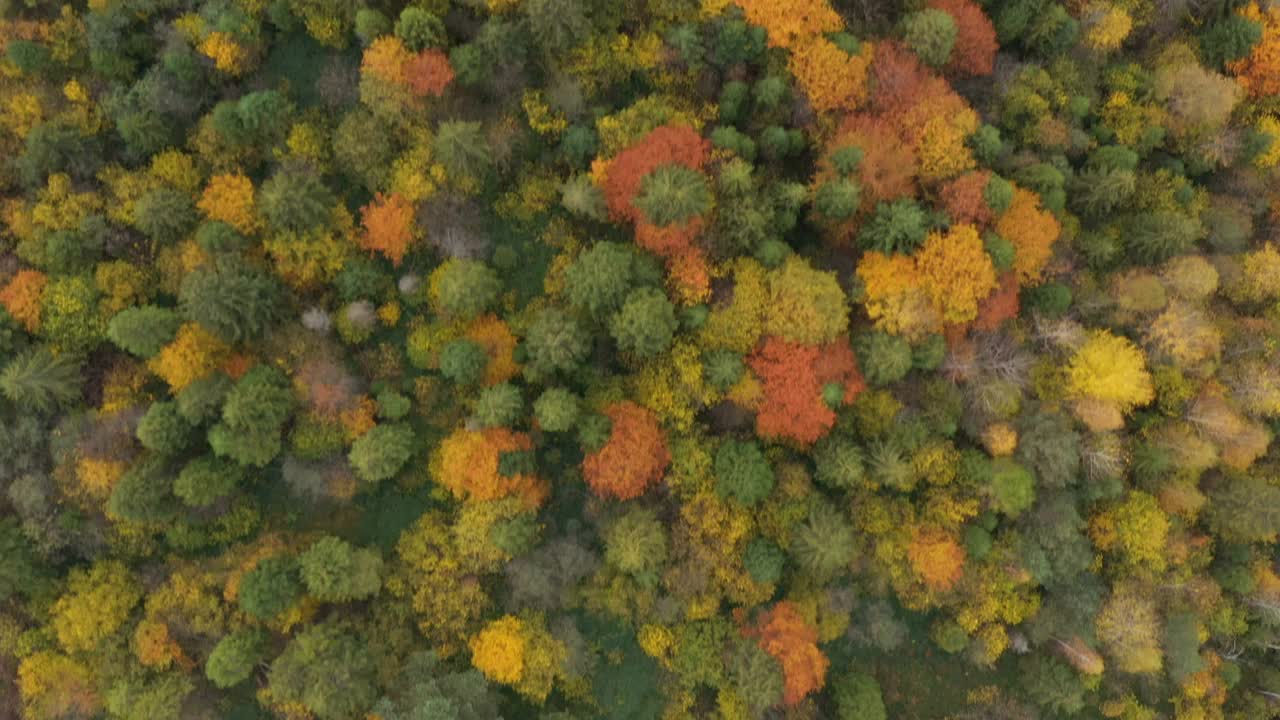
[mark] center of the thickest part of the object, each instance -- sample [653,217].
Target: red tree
[792,406]
[1000,305]
[963,198]
[428,73]
[975,49]
[634,458]
[666,145]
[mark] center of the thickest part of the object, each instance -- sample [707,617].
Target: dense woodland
[639,359]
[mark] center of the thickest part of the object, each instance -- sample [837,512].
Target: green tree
[1052,684]
[764,560]
[270,588]
[165,215]
[931,34]
[253,417]
[235,300]
[742,472]
[599,279]
[145,493]
[206,479]
[420,30]
[840,463]
[1012,486]
[673,194]
[858,697]
[556,410]
[38,381]
[824,544]
[899,226]
[380,453]
[164,430]
[463,361]
[462,148]
[636,544]
[295,200]
[499,406]
[139,697]
[235,657]
[555,342]
[884,358]
[466,288]
[334,571]
[646,323]
[144,330]
[327,670]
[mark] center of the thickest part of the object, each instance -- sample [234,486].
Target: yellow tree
[957,272]
[1108,374]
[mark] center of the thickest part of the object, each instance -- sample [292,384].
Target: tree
[141,698]
[840,463]
[233,299]
[1052,685]
[554,342]
[931,35]
[645,324]
[1128,627]
[381,452]
[858,697]
[164,430]
[755,675]
[464,289]
[634,458]
[804,305]
[388,226]
[1050,448]
[824,544]
[96,605]
[38,380]
[145,330]
[235,657]
[499,406]
[636,544]
[886,358]
[599,279]
[1012,487]
[469,464]
[957,272]
[1242,508]
[463,150]
[327,670]
[144,494]
[334,571]
[673,194]
[935,556]
[253,417]
[295,199]
[1112,370]
[783,633]
[742,472]
[206,479]
[556,410]
[270,588]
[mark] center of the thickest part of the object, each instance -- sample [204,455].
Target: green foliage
[499,406]
[557,410]
[420,30]
[270,588]
[164,430]
[235,300]
[883,358]
[1052,685]
[462,148]
[1228,39]
[931,34]
[742,472]
[645,324]
[149,698]
[328,671]
[334,571]
[235,657]
[145,493]
[40,382]
[555,342]
[467,288]
[207,479]
[165,215]
[764,560]
[1012,486]
[143,330]
[255,410]
[295,200]
[895,227]
[636,544]
[858,697]
[840,463]
[824,544]
[381,452]
[837,199]
[673,194]
[755,675]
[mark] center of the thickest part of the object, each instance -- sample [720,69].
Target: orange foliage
[833,79]
[467,464]
[792,406]
[388,226]
[785,635]
[1032,232]
[975,50]
[327,386]
[492,334]
[666,145]
[895,297]
[689,277]
[385,59]
[428,73]
[359,419]
[635,457]
[1000,305]
[899,80]
[836,363]
[936,558]
[789,21]
[155,647]
[1259,73]
[21,297]
[667,241]
[964,201]
[888,168]
[229,199]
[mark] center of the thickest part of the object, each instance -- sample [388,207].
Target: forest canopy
[646,360]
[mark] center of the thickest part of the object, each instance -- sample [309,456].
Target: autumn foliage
[388,226]
[792,377]
[634,458]
[21,297]
[468,463]
[1259,71]
[975,50]
[936,558]
[665,145]
[783,633]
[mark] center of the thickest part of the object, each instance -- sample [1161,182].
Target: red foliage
[635,457]
[428,73]
[666,145]
[388,226]
[964,201]
[836,363]
[792,406]
[975,49]
[898,79]
[667,241]
[785,635]
[688,276]
[1000,305]
[888,168]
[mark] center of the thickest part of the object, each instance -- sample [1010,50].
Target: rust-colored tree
[792,407]
[665,145]
[388,226]
[635,457]
[975,49]
[783,633]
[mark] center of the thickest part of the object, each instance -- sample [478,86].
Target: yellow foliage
[53,685]
[673,387]
[193,354]
[313,257]
[895,297]
[1269,125]
[941,150]
[542,118]
[1108,26]
[498,650]
[227,55]
[1000,439]
[833,79]
[99,476]
[22,112]
[229,199]
[122,285]
[656,641]
[956,271]
[59,208]
[1110,369]
[494,335]
[178,169]
[804,305]
[96,604]
[738,325]
[1259,279]
[1032,231]
[1137,529]
[790,21]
